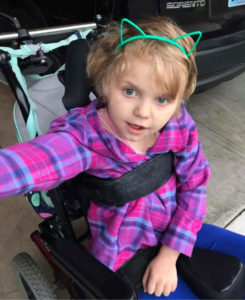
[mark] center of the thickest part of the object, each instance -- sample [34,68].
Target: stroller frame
[56,238]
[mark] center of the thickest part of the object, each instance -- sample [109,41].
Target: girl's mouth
[135,128]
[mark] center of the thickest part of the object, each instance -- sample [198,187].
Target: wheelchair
[74,268]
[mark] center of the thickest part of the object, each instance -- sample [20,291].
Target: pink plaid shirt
[77,141]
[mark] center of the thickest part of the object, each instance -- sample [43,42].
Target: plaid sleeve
[192,174]
[46,161]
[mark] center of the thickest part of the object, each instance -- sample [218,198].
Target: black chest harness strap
[135,184]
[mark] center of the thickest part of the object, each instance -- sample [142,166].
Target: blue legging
[209,237]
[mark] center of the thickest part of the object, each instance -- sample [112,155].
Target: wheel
[32,280]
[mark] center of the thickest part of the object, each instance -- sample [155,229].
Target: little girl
[143,76]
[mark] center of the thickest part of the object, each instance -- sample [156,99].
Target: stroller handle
[36,33]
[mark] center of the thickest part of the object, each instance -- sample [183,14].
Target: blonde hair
[175,73]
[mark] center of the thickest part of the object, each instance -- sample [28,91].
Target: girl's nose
[142,109]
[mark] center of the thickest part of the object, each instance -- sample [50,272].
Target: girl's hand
[161,275]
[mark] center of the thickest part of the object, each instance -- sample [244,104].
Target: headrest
[76,81]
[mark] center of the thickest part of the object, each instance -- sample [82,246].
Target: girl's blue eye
[161,100]
[130,92]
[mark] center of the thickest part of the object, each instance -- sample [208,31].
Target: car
[220,53]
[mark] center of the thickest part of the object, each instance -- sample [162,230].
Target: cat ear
[145,36]
[132,24]
[189,34]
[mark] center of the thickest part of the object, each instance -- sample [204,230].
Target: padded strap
[135,184]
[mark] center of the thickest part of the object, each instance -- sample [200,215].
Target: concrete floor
[220,117]
[238,224]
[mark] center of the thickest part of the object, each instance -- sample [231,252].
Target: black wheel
[33,282]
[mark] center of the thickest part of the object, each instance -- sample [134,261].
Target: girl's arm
[46,161]
[192,174]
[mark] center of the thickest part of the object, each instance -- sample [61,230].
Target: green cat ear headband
[156,37]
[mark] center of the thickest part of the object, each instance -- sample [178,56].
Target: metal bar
[15,86]
[36,33]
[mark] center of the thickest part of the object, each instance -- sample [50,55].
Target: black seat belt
[135,184]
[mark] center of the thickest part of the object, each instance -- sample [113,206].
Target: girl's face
[136,105]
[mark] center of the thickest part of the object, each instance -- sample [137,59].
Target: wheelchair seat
[213,281]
